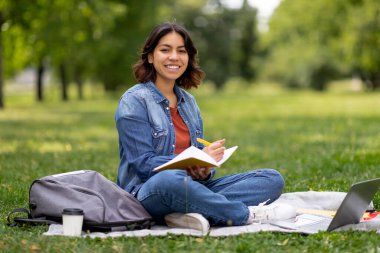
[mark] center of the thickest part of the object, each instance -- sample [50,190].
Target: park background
[297,91]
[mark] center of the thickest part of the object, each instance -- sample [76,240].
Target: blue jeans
[223,201]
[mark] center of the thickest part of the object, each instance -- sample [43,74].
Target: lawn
[318,141]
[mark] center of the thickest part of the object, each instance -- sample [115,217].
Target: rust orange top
[182,135]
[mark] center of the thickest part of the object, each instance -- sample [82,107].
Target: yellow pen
[204,142]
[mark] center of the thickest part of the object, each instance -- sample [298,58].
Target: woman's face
[169,58]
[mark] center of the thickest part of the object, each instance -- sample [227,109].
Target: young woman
[157,119]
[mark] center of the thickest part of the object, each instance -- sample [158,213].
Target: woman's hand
[198,173]
[216,149]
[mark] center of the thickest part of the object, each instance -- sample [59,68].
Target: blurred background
[79,45]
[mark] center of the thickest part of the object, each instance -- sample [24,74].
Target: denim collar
[159,97]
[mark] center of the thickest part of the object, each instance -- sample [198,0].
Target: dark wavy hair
[144,71]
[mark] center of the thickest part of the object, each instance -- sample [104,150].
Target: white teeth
[172,67]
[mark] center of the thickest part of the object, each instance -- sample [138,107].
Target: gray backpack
[106,206]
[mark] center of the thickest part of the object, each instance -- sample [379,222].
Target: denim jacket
[146,132]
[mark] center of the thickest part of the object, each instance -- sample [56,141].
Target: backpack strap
[17,210]
[118,226]
[29,220]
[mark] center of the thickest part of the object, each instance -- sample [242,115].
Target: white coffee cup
[72,219]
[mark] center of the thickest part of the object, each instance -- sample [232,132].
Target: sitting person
[156,119]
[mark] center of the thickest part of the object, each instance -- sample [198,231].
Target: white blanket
[305,200]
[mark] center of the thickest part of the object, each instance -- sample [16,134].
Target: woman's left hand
[198,173]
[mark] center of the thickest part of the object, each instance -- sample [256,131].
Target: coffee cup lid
[72,211]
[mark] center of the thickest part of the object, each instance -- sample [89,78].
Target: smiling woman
[145,71]
[170,59]
[156,120]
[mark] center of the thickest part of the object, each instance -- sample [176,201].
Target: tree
[117,49]
[100,40]
[67,37]
[217,47]
[226,40]
[306,51]
[37,15]
[22,40]
[326,41]
[247,21]
[87,24]
[362,41]
[12,40]
[2,21]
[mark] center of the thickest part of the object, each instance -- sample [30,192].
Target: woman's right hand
[216,149]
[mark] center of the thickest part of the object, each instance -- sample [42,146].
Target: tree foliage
[309,43]
[312,42]
[118,48]
[79,39]
[226,40]
[302,49]
[362,39]
[12,41]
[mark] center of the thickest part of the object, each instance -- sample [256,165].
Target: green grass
[322,142]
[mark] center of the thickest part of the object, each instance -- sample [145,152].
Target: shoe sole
[187,220]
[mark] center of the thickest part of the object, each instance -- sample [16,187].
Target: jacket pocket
[159,138]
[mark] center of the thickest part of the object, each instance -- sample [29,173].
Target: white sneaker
[187,220]
[272,212]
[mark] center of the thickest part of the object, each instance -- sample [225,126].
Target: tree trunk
[39,84]
[371,80]
[63,76]
[375,80]
[79,82]
[1,64]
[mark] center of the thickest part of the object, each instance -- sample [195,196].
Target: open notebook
[193,156]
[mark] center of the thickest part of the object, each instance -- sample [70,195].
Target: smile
[172,66]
